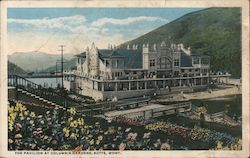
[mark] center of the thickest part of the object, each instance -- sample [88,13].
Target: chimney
[128,47]
[154,47]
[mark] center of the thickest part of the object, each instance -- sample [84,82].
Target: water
[47,82]
[231,103]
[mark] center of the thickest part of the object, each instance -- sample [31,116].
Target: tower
[93,61]
[145,56]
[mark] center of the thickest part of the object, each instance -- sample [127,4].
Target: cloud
[63,23]
[75,32]
[126,21]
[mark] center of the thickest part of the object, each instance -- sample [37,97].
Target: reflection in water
[231,104]
[46,82]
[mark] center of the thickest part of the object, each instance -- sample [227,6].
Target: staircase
[44,95]
[39,98]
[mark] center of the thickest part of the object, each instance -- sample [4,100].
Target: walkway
[202,95]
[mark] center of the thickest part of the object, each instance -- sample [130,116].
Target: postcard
[124,78]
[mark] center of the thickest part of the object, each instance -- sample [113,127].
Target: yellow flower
[80,121]
[97,142]
[100,138]
[13,115]
[65,130]
[72,111]
[73,124]
[11,109]
[91,142]
[10,141]
[70,119]
[10,127]
[25,113]
[32,114]
[66,134]
[31,122]
[219,145]
[20,115]
[73,136]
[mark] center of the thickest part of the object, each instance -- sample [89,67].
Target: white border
[244,4]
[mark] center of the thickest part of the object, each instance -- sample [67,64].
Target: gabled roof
[83,54]
[106,53]
[132,58]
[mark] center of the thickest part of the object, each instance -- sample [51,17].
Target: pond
[231,103]
[46,82]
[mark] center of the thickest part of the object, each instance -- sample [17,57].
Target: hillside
[215,31]
[68,65]
[14,69]
[36,61]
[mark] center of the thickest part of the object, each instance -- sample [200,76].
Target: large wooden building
[136,71]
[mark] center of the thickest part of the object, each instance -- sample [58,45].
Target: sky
[44,29]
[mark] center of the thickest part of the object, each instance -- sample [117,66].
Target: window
[114,63]
[152,63]
[164,63]
[176,73]
[204,71]
[176,62]
[107,63]
[196,60]
[205,61]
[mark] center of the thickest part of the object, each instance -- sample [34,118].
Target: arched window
[164,63]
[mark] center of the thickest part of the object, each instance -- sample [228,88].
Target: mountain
[14,69]
[36,61]
[213,31]
[68,65]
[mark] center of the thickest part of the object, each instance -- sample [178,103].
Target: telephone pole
[62,49]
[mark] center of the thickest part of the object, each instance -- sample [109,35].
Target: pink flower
[122,146]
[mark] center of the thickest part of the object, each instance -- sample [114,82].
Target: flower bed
[28,131]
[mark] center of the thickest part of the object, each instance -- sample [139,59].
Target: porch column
[164,83]
[227,80]
[180,83]
[195,81]
[201,81]
[146,85]
[102,86]
[116,86]
[137,85]
[129,85]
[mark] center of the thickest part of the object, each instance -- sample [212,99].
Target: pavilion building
[105,74]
